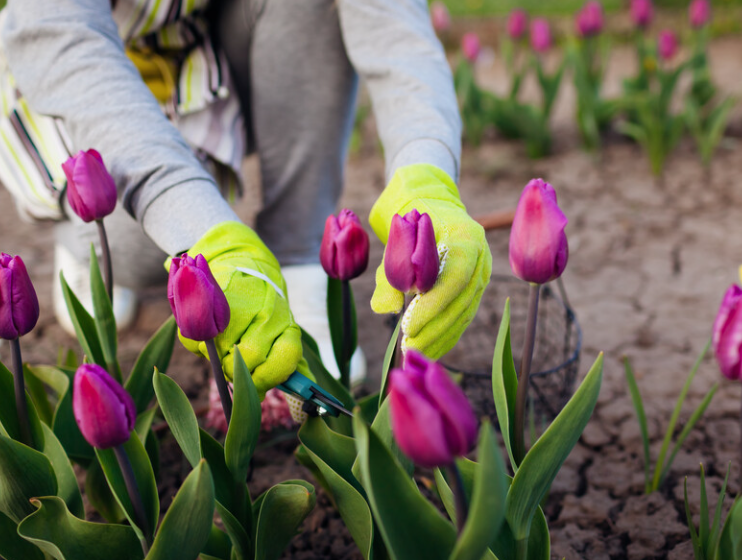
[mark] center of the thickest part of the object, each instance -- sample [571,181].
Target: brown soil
[648,267]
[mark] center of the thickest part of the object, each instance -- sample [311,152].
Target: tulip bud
[91,191]
[411,256]
[517,23]
[432,420]
[344,249]
[667,45]
[19,306]
[540,35]
[198,303]
[538,245]
[440,16]
[699,13]
[589,20]
[726,336]
[471,47]
[642,13]
[104,411]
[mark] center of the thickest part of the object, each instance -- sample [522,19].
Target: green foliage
[706,539]
[652,482]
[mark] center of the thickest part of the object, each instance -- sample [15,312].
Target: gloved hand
[261,324]
[435,320]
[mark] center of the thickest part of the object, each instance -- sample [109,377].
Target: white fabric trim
[256,274]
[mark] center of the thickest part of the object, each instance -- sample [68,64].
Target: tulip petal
[727,334]
[24,300]
[8,330]
[193,298]
[399,248]
[424,258]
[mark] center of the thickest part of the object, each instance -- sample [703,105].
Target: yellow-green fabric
[261,324]
[436,319]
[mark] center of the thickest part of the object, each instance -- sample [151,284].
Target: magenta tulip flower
[667,45]
[538,244]
[104,411]
[411,256]
[19,306]
[517,23]
[91,191]
[699,13]
[727,334]
[471,47]
[432,420]
[198,303]
[344,249]
[440,16]
[642,13]
[589,20]
[540,35]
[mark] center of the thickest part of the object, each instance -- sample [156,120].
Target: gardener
[173,94]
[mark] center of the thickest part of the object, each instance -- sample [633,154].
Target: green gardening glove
[261,324]
[435,320]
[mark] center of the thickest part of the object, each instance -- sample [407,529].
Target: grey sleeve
[394,48]
[69,62]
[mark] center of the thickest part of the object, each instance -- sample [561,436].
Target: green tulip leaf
[186,526]
[382,426]
[487,507]
[283,508]
[105,322]
[145,479]
[143,423]
[9,424]
[232,497]
[39,397]
[100,496]
[730,544]
[387,364]
[67,487]
[542,463]
[505,383]
[156,355]
[179,415]
[369,406]
[244,428]
[335,319]
[218,546]
[12,545]
[24,474]
[65,537]
[84,325]
[411,527]
[333,455]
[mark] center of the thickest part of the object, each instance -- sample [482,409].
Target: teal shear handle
[316,399]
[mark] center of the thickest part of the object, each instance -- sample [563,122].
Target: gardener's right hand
[261,323]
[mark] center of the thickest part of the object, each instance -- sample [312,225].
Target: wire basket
[556,356]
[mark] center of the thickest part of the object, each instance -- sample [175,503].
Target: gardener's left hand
[436,319]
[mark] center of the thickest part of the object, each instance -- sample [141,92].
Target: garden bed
[647,271]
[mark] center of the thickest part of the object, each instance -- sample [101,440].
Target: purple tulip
[642,13]
[667,45]
[517,23]
[104,411]
[589,20]
[432,421]
[471,47]
[540,35]
[699,13]
[91,191]
[440,17]
[198,303]
[411,257]
[344,249]
[538,244]
[19,306]
[727,334]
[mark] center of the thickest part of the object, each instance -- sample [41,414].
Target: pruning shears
[316,400]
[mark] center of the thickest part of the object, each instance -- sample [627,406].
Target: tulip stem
[20,393]
[398,361]
[521,395]
[346,351]
[221,382]
[140,515]
[107,265]
[459,495]
[521,549]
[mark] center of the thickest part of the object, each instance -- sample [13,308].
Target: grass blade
[641,416]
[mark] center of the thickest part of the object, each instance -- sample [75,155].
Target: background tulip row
[654,109]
